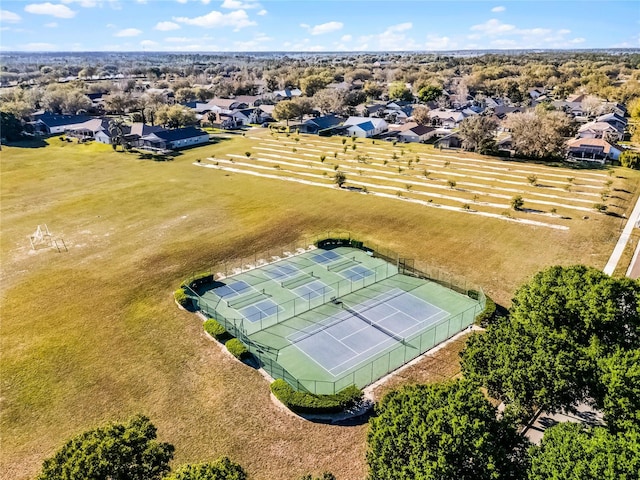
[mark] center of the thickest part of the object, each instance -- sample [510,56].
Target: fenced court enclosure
[336,313]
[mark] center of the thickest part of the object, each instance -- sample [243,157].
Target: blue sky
[307,25]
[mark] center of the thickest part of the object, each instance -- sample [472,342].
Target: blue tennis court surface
[281,271]
[260,310]
[357,272]
[232,289]
[363,330]
[313,290]
[325,257]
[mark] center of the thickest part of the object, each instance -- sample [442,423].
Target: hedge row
[485,317]
[237,349]
[303,402]
[217,331]
[182,298]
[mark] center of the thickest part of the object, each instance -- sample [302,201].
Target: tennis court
[327,318]
[351,335]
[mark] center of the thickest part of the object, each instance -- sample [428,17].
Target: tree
[175,116]
[429,93]
[630,159]
[329,101]
[399,91]
[474,130]
[517,202]
[10,127]
[286,110]
[221,469]
[116,131]
[564,323]
[620,384]
[339,179]
[117,102]
[571,451]
[314,83]
[421,115]
[539,134]
[116,451]
[372,90]
[442,431]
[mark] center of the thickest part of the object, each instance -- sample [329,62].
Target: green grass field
[94,335]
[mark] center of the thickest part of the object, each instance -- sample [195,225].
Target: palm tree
[117,133]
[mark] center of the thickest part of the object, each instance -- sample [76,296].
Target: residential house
[600,130]
[446,118]
[178,138]
[375,110]
[452,140]
[53,123]
[593,150]
[364,127]
[419,133]
[615,120]
[287,93]
[94,129]
[318,124]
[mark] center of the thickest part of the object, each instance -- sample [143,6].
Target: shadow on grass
[30,143]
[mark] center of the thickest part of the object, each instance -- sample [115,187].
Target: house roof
[422,130]
[597,127]
[95,125]
[446,114]
[175,134]
[611,116]
[143,129]
[592,143]
[366,126]
[403,127]
[53,120]
[377,122]
[326,121]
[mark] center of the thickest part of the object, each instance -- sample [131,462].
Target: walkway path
[623,240]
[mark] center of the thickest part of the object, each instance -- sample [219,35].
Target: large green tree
[10,126]
[563,323]
[442,431]
[571,451]
[118,451]
[539,133]
[476,129]
[399,91]
[221,469]
[286,110]
[429,93]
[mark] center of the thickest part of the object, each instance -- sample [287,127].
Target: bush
[182,298]
[630,159]
[303,402]
[217,331]
[237,349]
[485,317]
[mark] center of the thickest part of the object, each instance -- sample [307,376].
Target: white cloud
[236,5]
[39,46]
[51,25]
[346,38]
[578,40]
[493,27]
[166,26]
[148,43]
[262,12]
[323,28]
[110,25]
[436,42]
[128,32]
[498,9]
[83,3]
[141,1]
[178,39]
[182,1]
[58,11]
[393,38]
[9,17]
[213,19]
[205,2]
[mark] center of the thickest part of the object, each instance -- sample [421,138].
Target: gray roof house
[364,127]
[316,125]
[164,140]
[53,123]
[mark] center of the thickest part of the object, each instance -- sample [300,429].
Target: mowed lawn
[93,334]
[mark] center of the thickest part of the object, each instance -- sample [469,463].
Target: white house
[593,150]
[365,127]
[419,133]
[599,130]
[174,139]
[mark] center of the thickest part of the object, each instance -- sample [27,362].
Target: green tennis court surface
[331,317]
